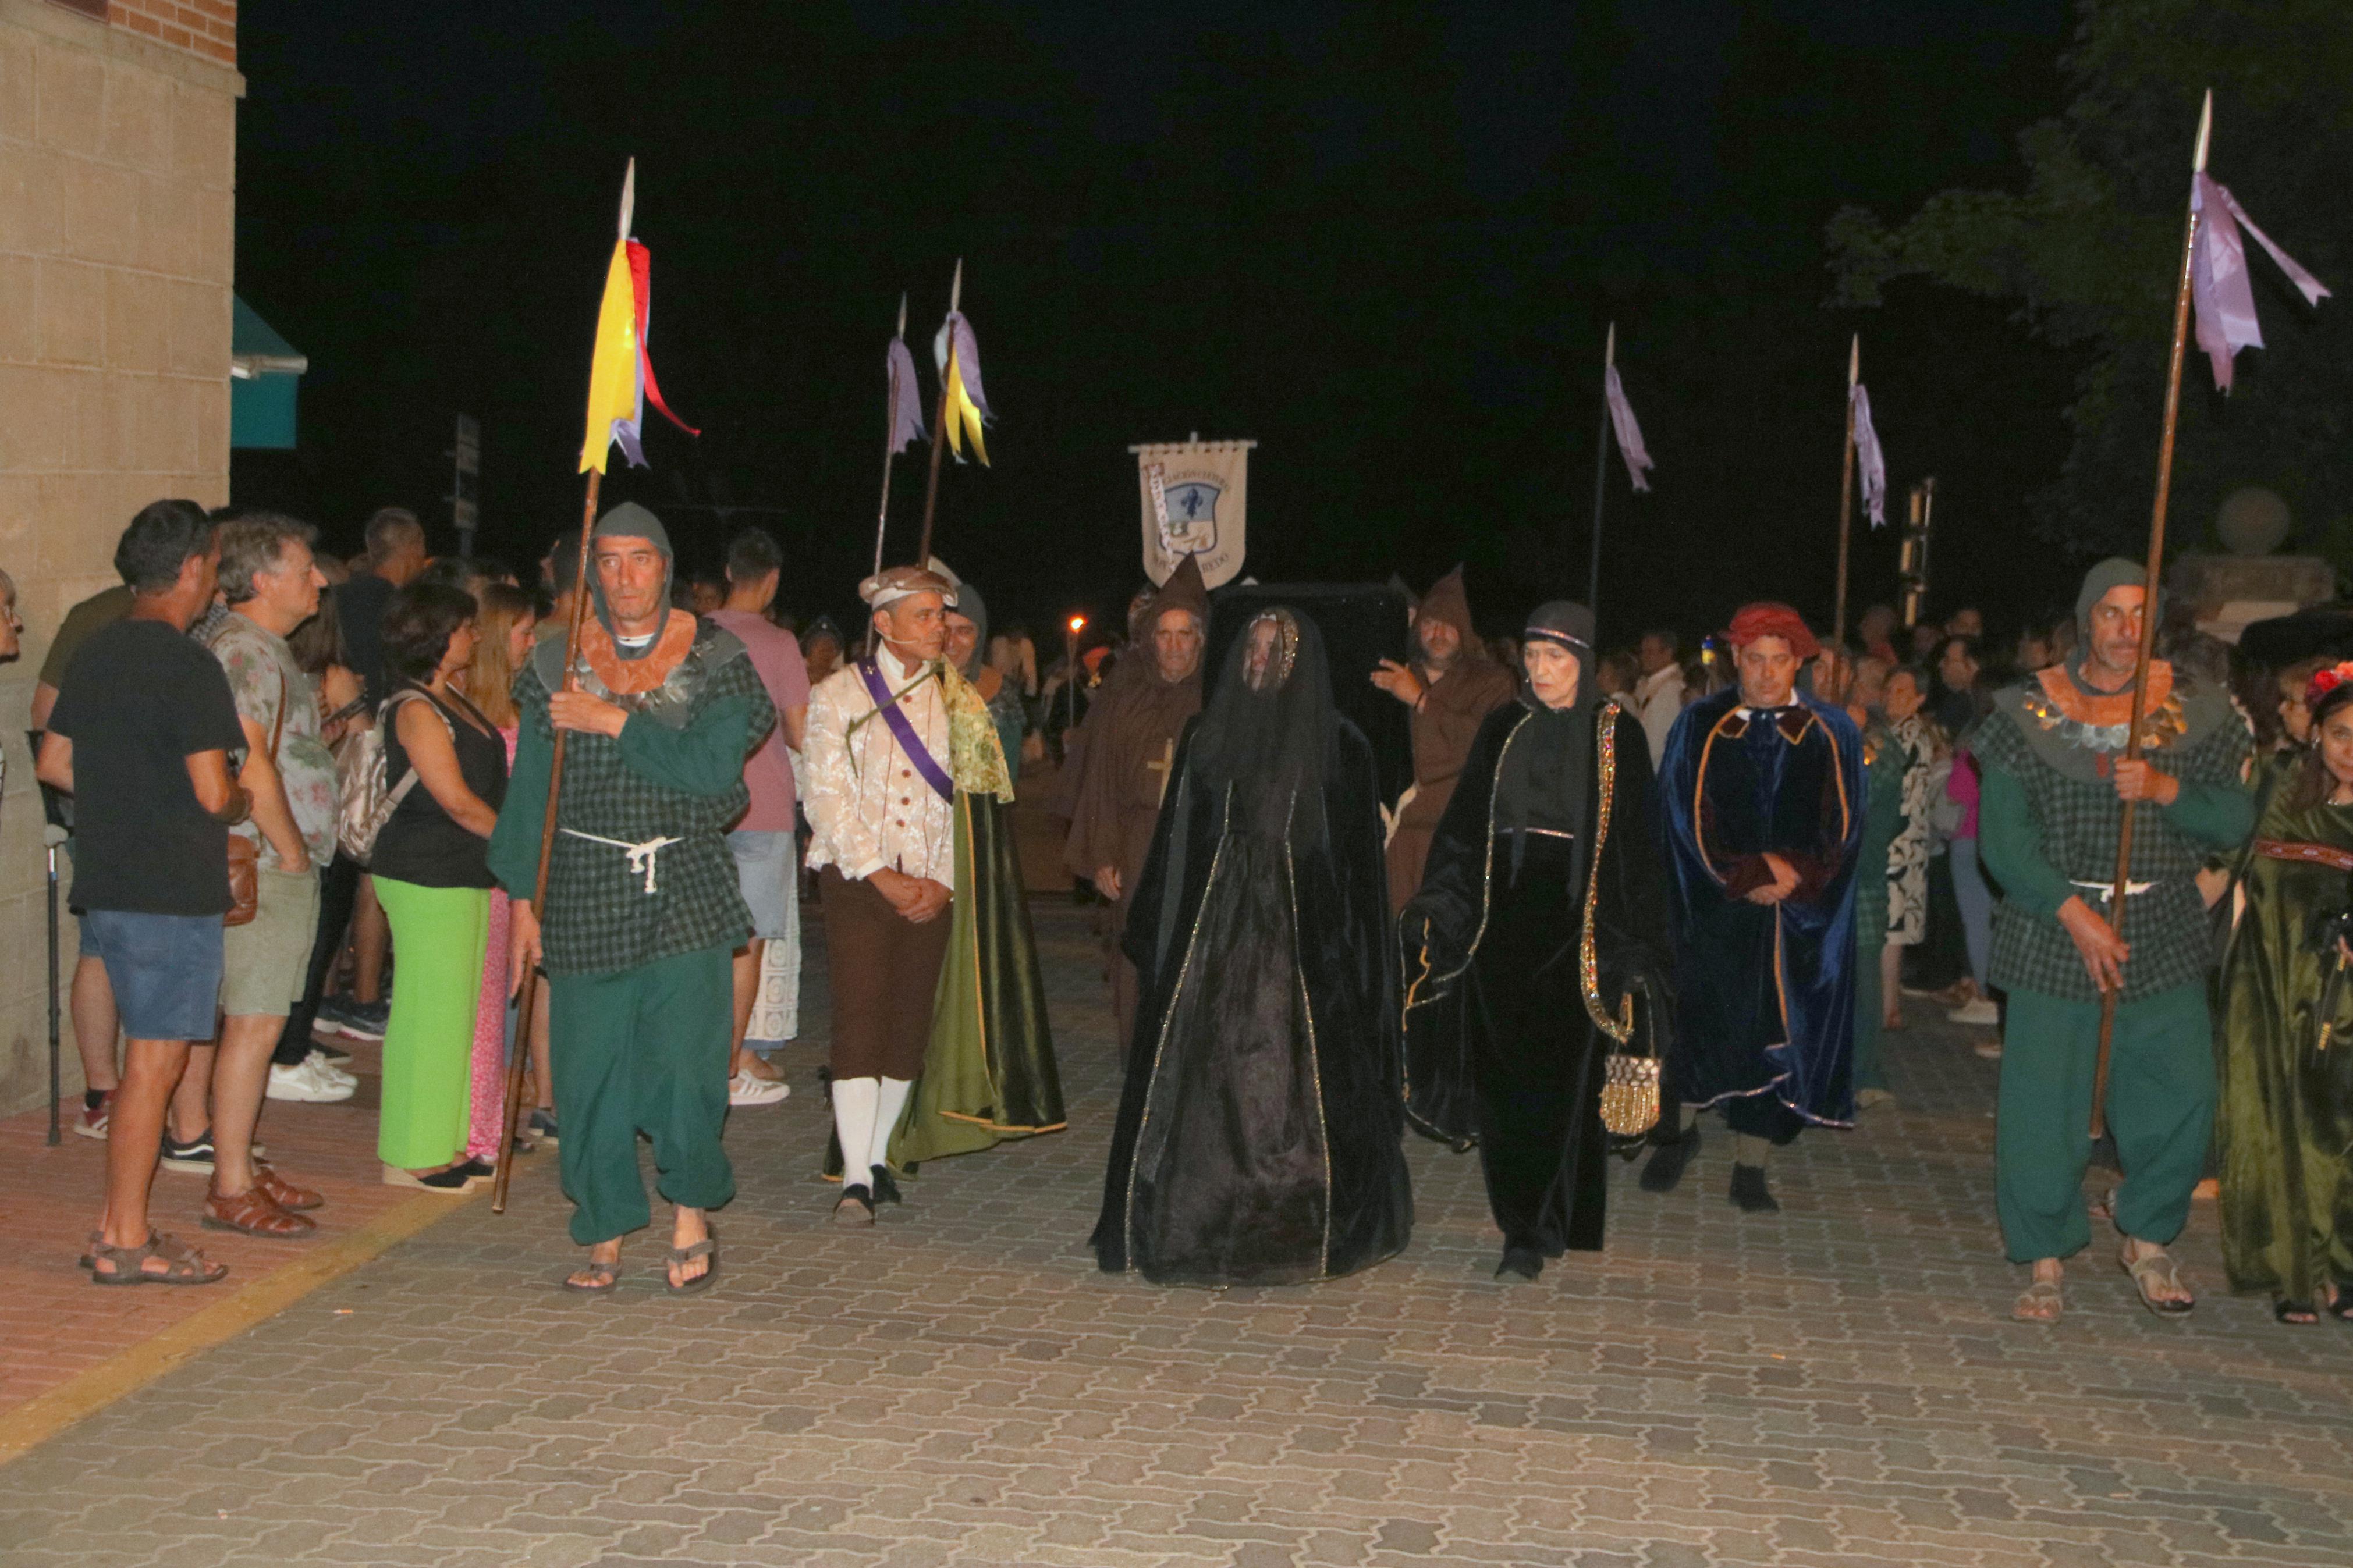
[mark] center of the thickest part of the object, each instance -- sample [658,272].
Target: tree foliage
[2090,252]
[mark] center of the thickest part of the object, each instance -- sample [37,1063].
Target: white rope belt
[2108,890]
[644,858]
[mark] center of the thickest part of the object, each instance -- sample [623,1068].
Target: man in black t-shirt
[140,736]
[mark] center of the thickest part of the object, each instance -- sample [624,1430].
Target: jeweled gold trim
[1588,968]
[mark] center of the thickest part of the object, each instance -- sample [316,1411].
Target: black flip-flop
[707,1248]
[2295,1314]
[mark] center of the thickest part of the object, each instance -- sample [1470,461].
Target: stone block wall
[118,167]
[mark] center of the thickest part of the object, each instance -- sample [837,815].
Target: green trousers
[440,933]
[2161,1110]
[642,1050]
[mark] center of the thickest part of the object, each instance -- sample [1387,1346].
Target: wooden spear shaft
[940,422]
[1846,495]
[2150,580]
[1601,468]
[581,592]
[521,1054]
[890,452]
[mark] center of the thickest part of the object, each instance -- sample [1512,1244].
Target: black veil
[1268,726]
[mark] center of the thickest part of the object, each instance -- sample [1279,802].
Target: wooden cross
[1163,767]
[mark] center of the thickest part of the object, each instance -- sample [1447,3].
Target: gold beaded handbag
[1630,1081]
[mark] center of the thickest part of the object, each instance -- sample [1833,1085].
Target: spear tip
[956,285]
[1854,360]
[628,197]
[903,313]
[1610,351]
[2205,132]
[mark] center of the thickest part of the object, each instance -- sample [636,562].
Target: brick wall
[206,28]
[118,160]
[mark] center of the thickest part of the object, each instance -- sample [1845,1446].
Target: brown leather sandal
[283,1193]
[250,1213]
[183,1265]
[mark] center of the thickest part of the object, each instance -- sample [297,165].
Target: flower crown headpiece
[2326,681]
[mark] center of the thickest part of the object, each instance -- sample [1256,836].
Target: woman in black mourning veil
[1258,1135]
[1538,939]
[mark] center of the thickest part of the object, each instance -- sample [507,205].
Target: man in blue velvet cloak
[1763,796]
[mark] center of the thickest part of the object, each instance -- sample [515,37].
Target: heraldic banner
[1195,497]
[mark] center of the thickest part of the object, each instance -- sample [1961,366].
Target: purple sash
[904,734]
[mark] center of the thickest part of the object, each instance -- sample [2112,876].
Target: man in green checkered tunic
[2055,780]
[643,911]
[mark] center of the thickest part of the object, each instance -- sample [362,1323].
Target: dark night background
[1382,240]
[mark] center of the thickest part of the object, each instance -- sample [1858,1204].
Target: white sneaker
[318,1063]
[306,1085]
[746,1089]
[1979,1010]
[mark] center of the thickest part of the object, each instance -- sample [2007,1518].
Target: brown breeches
[884,969]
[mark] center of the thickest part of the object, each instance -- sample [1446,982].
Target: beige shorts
[266,961]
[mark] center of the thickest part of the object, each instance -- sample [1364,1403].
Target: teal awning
[264,370]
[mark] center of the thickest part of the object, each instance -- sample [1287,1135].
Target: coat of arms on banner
[1194,497]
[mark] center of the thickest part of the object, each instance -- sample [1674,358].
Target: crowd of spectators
[202,730]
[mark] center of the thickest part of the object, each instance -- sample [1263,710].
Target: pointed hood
[1447,602]
[1184,591]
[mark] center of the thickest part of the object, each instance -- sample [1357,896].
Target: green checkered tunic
[2044,833]
[654,782]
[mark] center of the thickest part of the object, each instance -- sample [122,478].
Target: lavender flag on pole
[1630,433]
[906,400]
[1868,459]
[2219,280]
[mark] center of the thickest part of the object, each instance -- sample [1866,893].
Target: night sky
[1382,240]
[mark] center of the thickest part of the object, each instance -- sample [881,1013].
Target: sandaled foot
[251,1213]
[2294,1314]
[694,1265]
[163,1260]
[2340,1305]
[2157,1278]
[283,1193]
[2041,1302]
[600,1274]
[596,1276]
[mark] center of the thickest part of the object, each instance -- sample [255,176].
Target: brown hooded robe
[1132,734]
[1445,725]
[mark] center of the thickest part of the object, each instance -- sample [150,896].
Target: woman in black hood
[1538,945]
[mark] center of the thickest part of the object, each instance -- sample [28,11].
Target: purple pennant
[906,400]
[1868,459]
[1628,433]
[2219,282]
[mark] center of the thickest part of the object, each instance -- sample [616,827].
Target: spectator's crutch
[53,836]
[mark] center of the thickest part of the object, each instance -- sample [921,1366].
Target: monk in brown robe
[1131,744]
[1451,687]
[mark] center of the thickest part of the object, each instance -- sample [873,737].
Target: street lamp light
[1075,625]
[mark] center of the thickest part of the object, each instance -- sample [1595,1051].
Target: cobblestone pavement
[1835,1385]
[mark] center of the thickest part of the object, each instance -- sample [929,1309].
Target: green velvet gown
[2284,1124]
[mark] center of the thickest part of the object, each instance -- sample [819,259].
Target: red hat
[1768,618]
[2337,680]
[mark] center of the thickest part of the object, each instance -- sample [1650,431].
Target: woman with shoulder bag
[433,878]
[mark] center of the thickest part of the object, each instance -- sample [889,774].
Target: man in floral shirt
[272,586]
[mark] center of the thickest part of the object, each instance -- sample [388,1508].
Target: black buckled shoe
[1668,1160]
[1749,1192]
[885,1190]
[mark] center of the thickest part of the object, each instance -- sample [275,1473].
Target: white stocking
[888,1103]
[853,1123]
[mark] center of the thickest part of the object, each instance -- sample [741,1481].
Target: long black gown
[1506,1031]
[1257,1141]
